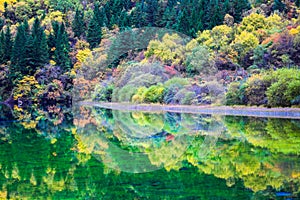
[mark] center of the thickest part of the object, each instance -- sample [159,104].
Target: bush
[235,94]
[256,88]
[199,61]
[140,74]
[103,92]
[155,94]
[170,92]
[285,87]
[184,97]
[216,92]
[176,81]
[139,97]
[124,94]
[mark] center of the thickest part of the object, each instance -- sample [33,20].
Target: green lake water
[94,153]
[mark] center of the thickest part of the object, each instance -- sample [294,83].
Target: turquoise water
[94,153]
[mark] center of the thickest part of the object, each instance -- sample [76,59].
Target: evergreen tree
[1,23]
[99,15]
[278,5]
[171,3]
[151,12]
[19,51]
[94,33]
[138,16]
[169,17]
[239,6]
[78,24]
[182,24]
[36,49]
[62,48]
[2,47]
[52,39]
[7,46]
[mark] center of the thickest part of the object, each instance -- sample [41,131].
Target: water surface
[94,153]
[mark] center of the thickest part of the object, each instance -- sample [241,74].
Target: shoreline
[289,113]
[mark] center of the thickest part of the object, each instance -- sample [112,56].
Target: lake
[94,153]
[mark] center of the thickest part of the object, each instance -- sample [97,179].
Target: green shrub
[103,93]
[139,96]
[184,97]
[285,87]
[155,94]
[235,94]
[170,92]
[124,94]
[256,87]
[176,81]
[199,61]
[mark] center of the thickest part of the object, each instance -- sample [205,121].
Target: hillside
[238,52]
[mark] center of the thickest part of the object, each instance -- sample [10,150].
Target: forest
[240,52]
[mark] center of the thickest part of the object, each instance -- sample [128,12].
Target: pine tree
[2,47]
[138,16]
[151,12]
[7,46]
[78,24]
[94,33]
[62,48]
[239,6]
[100,15]
[278,5]
[1,23]
[36,49]
[19,51]
[169,17]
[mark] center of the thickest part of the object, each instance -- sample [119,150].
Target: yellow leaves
[3,194]
[222,30]
[253,22]
[246,41]
[53,141]
[170,49]
[82,55]
[9,2]
[274,22]
[294,31]
[30,125]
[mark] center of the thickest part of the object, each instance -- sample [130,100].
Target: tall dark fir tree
[36,48]
[78,23]
[94,33]
[62,48]
[7,45]
[19,51]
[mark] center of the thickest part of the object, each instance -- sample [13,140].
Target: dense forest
[240,53]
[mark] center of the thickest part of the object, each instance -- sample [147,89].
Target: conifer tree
[239,6]
[36,49]
[52,39]
[278,5]
[7,46]
[19,51]
[94,33]
[78,24]
[151,12]
[62,48]
[99,15]
[2,47]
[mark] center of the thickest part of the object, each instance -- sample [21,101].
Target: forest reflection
[94,152]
